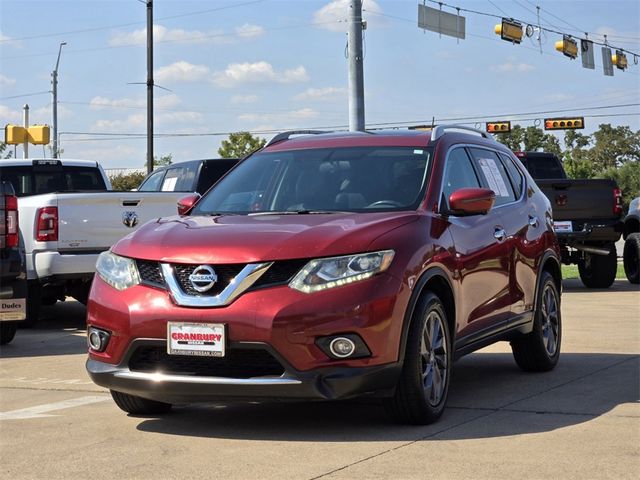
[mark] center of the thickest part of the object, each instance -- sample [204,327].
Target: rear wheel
[138,405]
[7,332]
[34,304]
[631,257]
[421,393]
[539,350]
[599,271]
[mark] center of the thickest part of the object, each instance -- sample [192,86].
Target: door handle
[499,234]
[533,221]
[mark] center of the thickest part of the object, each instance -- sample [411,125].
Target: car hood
[247,239]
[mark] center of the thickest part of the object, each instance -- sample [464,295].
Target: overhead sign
[607,64]
[441,22]
[586,49]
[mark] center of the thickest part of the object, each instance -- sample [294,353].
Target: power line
[108,27]
[26,95]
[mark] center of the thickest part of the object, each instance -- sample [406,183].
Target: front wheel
[7,332]
[138,405]
[539,350]
[599,271]
[631,258]
[423,386]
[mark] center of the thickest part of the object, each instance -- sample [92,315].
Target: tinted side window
[458,173]
[152,184]
[211,173]
[514,174]
[170,181]
[493,175]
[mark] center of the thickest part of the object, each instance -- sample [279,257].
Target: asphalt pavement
[580,421]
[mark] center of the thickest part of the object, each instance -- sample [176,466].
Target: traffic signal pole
[356,75]
[149,86]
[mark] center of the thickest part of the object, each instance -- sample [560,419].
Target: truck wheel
[539,350]
[598,271]
[34,303]
[423,385]
[138,405]
[7,332]
[631,258]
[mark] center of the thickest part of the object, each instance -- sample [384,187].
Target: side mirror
[471,201]
[186,203]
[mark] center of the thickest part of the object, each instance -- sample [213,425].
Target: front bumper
[327,383]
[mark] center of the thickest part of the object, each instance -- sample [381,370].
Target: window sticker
[169,184]
[493,176]
[418,152]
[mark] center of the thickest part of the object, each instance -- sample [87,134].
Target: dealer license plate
[564,226]
[202,339]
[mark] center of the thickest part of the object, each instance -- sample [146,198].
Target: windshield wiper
[294,212]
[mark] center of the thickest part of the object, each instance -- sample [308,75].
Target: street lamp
[54,81]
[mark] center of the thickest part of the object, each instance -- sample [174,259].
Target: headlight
[117,271]
[332,272]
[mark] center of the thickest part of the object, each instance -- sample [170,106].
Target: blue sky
[278,64]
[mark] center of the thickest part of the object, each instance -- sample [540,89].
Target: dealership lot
[580,421]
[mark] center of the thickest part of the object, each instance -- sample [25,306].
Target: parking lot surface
[580,421]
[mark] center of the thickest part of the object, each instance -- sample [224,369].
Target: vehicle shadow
[575,285]
[60,331]
[489,397]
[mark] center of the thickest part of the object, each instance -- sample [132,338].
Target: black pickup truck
[587,216]
[13,275]
[192,176]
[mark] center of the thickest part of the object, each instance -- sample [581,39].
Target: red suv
[328,266]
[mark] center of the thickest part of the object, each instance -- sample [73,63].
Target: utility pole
[149,86]
[356,76]
[54,103]
[25,124]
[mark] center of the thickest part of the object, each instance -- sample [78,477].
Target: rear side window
[458,174]
[152,183]
[514,174]
[211,173]
[34,180]
[180,179]
[493,175]
[544,167]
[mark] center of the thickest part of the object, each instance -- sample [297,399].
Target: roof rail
[285,135]
[440,130]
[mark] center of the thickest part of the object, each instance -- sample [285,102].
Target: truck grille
[237,363]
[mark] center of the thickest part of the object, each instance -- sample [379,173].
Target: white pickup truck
[68,215]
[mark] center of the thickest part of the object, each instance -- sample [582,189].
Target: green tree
[529,139]
[628,179]
[614,146]
[162,161]
[126,182]
[3,147]
[240,144]
[576,159]
[512,139]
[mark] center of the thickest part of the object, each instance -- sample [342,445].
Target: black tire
[539,350]
[631,258]
[7,332]
[34,304]
[138,405]
[599,271]
[423,386]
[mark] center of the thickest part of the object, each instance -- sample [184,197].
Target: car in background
[329,266]
[193,176]
[631,235]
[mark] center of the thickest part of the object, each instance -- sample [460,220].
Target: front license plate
[564,226]
[202,339]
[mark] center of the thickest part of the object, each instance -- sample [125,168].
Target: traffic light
[509,30]
[14,134]
[619,59]
[573,123]
[568,46]
[498,127]
[39,134]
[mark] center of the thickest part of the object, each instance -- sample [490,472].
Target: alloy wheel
[433,352]
[550,320]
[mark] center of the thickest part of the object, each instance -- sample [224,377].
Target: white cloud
[8,41]
[6,81]
[244,99]
[511,67]
[136,123]
[164,34]
[334,15]
[249,31]
[102,103]
[301,114]
[237,73]
[320,93]
[10,116]
[182,72]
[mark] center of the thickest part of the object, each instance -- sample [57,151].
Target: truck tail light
[11,220]
[617,202]
[47,224]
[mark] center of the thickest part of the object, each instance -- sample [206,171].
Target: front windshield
[356,179]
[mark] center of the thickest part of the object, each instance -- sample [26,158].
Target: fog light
[97,339]
[342,347]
